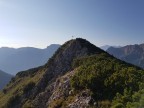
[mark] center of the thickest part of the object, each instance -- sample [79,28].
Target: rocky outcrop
[83,100]
[62,90]
[59,64]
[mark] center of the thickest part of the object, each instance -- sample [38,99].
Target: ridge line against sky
[38,23]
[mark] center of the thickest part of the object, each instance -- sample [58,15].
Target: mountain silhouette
[14,60]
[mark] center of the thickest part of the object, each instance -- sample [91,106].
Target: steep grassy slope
[78,75]
[22,84]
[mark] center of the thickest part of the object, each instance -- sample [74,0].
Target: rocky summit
[79,75]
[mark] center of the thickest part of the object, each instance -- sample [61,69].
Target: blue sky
[39,23]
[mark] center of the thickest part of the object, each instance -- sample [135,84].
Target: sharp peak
[78,40]
[80,43]
[83,42]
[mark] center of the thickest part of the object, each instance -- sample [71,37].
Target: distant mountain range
[14,60]
[105,47]
[131,53]
[4,79]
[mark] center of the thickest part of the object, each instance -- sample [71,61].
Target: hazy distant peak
[105,47]
[54,45]
[13,60]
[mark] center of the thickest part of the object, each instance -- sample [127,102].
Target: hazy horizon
[63,43]
[28,46]
[34,23]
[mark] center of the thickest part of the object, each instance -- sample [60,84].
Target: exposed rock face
[131,53]
[62,84]
[61,63]
[63,90]
[82,100]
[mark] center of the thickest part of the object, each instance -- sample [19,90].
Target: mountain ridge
[78,75]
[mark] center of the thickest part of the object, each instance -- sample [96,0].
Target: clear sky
[39,23]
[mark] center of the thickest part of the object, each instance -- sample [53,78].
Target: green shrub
[105,76]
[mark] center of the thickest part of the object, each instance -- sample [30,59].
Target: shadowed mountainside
[4,79]
[131,53]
